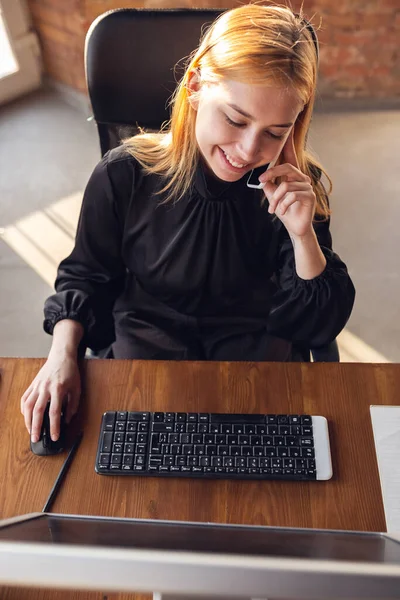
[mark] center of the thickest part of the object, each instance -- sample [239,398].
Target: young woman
[175,256]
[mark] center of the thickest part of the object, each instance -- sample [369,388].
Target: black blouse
[211,276]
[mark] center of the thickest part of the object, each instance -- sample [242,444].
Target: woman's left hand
[293,200]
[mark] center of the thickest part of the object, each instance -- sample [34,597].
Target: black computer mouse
[45,445]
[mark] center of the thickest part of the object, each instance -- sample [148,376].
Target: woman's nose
[249,147]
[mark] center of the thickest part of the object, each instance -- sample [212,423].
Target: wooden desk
[341,392]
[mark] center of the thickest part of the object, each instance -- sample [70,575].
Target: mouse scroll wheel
[45,441]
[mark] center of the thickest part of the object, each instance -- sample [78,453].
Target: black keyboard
[216,445]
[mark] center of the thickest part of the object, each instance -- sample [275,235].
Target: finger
[284,189]
[286,170]
[28,408]
[57,397]
[289,151]
[24,397]
[289,200]
[37,415]
[73,403]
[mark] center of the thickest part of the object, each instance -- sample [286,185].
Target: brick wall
[359,40]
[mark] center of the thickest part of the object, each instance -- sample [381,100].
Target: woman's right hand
[57,382]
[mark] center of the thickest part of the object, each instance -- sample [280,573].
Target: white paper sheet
[386,428]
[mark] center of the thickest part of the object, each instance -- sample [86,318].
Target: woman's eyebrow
[245,114]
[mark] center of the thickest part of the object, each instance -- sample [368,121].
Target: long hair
[264,45]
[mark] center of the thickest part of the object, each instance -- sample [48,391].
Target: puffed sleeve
[311,312]
[91,277]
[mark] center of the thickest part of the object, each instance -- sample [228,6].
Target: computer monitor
[178,559]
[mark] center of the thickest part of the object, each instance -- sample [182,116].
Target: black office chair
[133,60]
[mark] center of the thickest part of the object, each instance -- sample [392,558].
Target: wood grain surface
[340,392]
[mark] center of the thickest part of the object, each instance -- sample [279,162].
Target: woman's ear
[193,88]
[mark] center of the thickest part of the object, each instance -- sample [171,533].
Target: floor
[48,149]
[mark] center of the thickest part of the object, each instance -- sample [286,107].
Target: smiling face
[240,126]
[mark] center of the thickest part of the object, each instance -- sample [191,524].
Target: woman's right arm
[88,282]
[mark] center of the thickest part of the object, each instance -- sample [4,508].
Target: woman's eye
[233,123]
[275,137]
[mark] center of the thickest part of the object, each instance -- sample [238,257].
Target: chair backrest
[134,59]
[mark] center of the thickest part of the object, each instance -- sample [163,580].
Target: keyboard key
[283,420]
[107,441]
[181,417]
[131,426]
[143,427]
[284,430]
[109,421]
[192,417]
[105,459]
[180,461]
[120,426]
[138,416]
[309,442]
[255,440]
[307,452]
[117,448]
[163,427]
[116,459]
[249,429]
[238,429]
[227,429]
[270,452]
[204,417]
[306,420]
[158,417]
[294,419]
[283,451]
[267,440]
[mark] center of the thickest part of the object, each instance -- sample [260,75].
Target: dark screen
[225,539]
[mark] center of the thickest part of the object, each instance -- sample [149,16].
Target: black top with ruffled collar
[182,279]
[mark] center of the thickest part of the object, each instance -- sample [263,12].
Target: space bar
[236,418]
